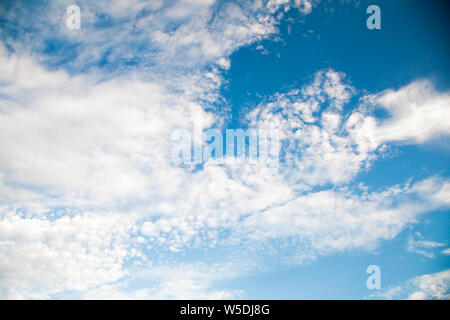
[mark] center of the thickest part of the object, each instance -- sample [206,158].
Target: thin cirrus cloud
[91,200]
[423,247]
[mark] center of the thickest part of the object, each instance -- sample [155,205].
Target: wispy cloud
[428,286]
[423,246]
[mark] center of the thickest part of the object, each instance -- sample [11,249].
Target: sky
[92,205]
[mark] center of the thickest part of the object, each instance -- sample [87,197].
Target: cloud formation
[433,286]
[90,198]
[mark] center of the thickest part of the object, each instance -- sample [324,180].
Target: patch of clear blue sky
[412,43]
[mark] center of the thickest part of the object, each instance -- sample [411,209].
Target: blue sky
[91,205]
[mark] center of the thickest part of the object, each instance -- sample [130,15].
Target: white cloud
[333,220]
[43,256]
[182,281]
[418,113]
[321,146]
[423,247]
[325,146]
[161,37]
[183,289]
[99,142]
[426,287]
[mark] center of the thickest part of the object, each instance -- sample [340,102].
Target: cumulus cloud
[320,144]
[98,142]
[42,256]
